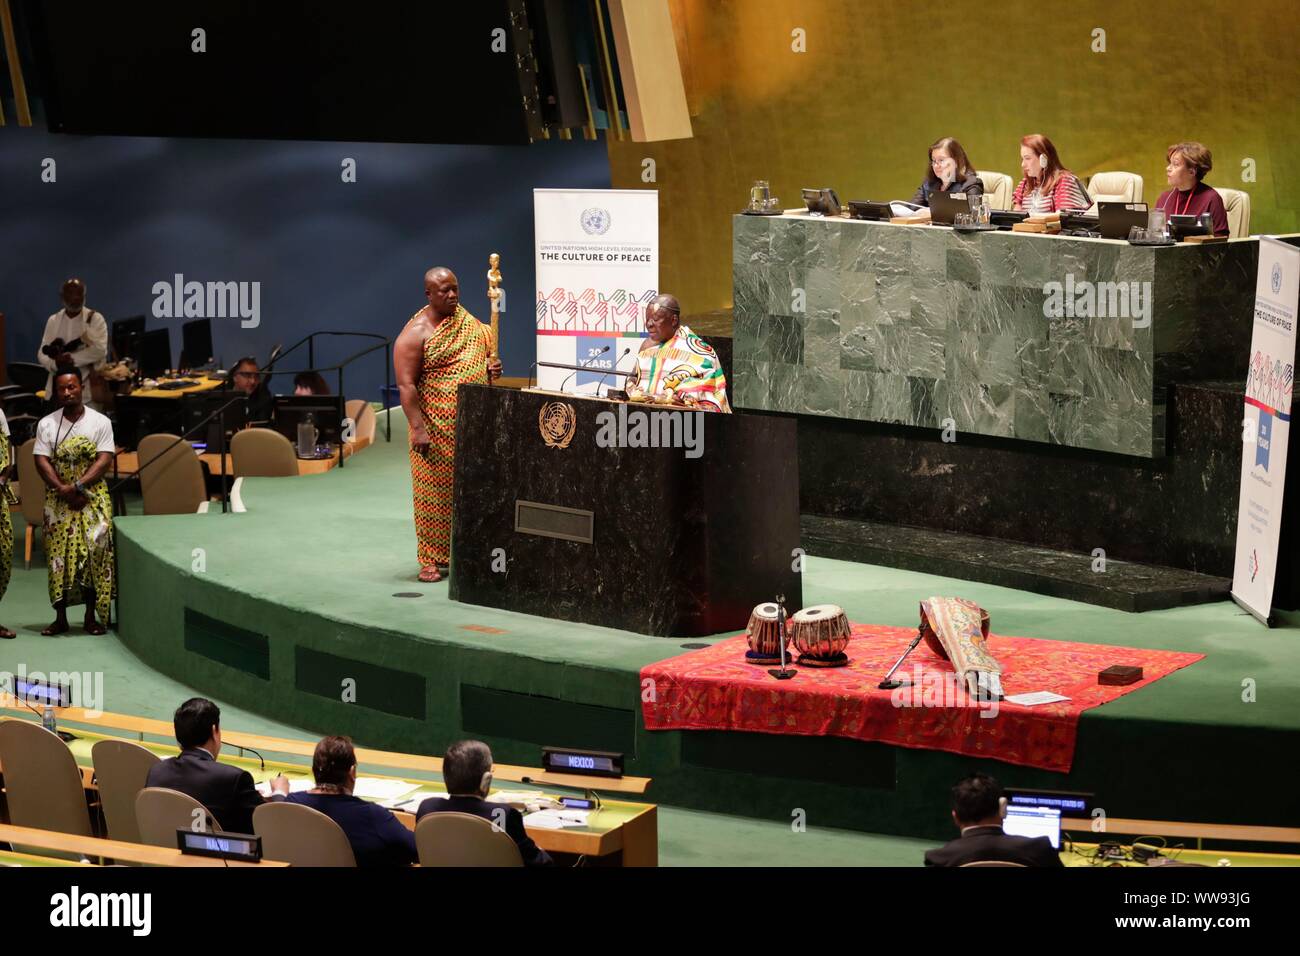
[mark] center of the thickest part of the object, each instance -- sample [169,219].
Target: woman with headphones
[949,171]
[1048,186]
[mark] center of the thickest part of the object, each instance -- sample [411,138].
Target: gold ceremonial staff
[494,299]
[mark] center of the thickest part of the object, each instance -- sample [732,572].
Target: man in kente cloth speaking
[441,347]
[675,366]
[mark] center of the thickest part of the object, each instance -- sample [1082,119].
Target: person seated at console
[227,791]
[978,806]
[1185,169]
[310,383]
[675,366]
[949,172]
[467,772]
[377,837]
[247,377]
[1048,186]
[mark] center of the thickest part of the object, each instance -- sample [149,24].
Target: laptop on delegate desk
[944,207]
[1117,218]
[1033,821]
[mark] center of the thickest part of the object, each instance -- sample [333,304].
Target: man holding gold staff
[441,347]
[675,366]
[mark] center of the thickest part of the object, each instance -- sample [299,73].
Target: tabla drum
[764,635]
[821,633]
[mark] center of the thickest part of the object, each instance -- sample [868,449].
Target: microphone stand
[784,673]
[601,380]
[888,683]
[585,364]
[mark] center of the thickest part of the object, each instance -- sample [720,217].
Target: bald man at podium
[675,366]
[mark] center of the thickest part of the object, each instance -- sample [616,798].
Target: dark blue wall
[128,212]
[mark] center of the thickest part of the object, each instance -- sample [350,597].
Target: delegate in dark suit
[514,826]
[225,790]
[377,837]
[980,844]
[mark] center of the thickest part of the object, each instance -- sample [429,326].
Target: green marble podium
[924,326]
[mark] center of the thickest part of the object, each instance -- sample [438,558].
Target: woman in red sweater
[1048,186]
[1189,196]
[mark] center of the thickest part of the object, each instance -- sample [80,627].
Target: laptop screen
[1030,821]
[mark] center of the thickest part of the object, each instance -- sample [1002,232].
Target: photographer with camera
[75,335]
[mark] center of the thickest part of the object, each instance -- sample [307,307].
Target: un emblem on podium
[557,422]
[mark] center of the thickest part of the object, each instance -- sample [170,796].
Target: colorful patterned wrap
[79,544]
[957,630]
[6,520]
[456,353]
[686,364]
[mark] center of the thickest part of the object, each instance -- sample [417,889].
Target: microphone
[614,369]
[532,368]
[588,362]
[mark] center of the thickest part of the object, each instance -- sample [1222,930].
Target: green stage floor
[316,561]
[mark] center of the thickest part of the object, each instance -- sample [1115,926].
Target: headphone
[485,783]
[1042,160]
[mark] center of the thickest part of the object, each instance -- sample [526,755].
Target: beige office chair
[994,863]
[462,839]
[173,484]
[160,812]
[121,769]
[33,495]
[262,453]
[361,412]
[42,781]
[301,836]
[1114,187]
[1236,204]
[998,187]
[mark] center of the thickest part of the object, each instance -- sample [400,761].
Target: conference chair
[994,863]
[1114,187]
[363,415]
[42,780]
[301,836]
[33,495]
[160,812]
[171,477]
[1236,203]
[262,453]
[29,375]
[121,769]
[462,839]
[998,187]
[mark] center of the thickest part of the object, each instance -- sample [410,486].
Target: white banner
[597,253]
[1266,426]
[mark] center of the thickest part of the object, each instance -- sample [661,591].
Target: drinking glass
[1156,222]
[759,194]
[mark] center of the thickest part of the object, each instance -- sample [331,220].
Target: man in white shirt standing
[74,450]
[83,332]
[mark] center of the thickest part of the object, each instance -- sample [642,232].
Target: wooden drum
[764,635]
[821,633]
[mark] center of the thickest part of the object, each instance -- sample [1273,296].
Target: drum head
[817,612]
[765,612]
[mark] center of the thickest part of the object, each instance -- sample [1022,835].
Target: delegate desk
[620,833]
[593,526]
[918,324]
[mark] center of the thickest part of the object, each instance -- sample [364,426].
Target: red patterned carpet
[715,689]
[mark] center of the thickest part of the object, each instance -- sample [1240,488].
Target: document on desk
[296,785]
[378,788]
[1037,697]
[556,819]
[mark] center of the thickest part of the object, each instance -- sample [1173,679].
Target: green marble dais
[921,325]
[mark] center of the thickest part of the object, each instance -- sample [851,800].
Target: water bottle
[48,720]
[307,437]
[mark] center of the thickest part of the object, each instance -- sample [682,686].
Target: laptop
[944,207]
[865,209]
[1033,821]
[822,201]
[1117,218]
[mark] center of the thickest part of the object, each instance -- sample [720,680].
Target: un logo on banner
[1276,278]
[595,221]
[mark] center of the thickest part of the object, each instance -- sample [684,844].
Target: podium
[651,519]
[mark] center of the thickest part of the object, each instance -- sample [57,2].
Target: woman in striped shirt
[1048,186]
